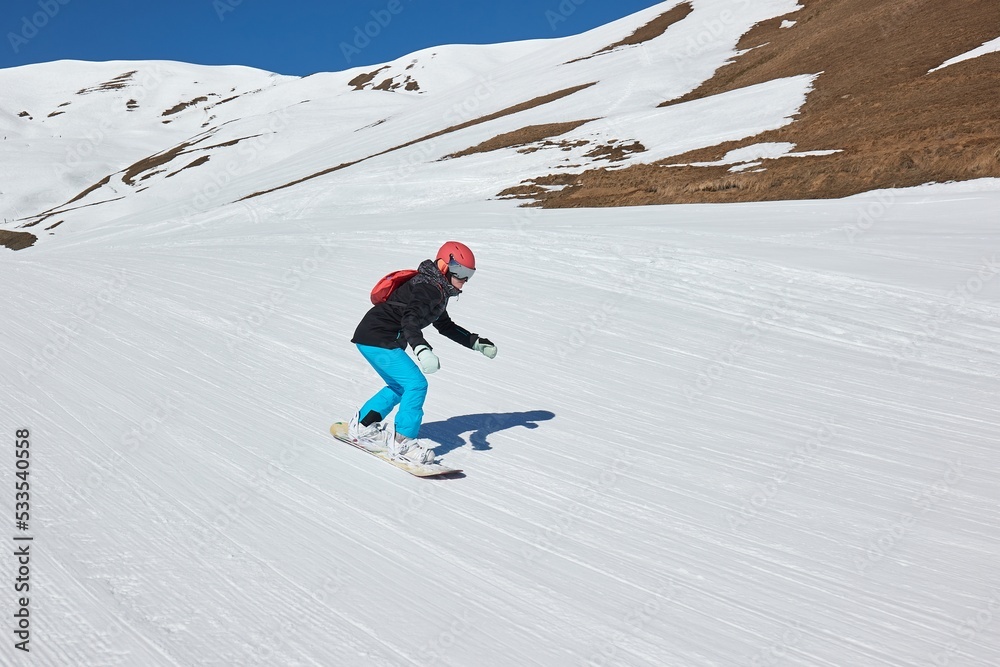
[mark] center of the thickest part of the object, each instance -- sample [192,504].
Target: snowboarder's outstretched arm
[423,302]
[447,328]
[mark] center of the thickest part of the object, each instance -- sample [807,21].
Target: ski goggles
[460,271]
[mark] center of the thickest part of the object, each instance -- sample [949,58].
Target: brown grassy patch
[537,186]
[563,145]
[363,81]
[17,240]
[522,137]
[360,81]
[116,83]
[896,124]
[226,144]
[654,28]
[156,160]
[149,164]
[615,152]
[194,163]
[184,105]
[651,30]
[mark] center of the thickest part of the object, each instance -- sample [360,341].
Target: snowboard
[339,431]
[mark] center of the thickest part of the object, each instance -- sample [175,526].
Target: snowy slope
[752,434]
[799,457]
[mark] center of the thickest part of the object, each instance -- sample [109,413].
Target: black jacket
[420,301]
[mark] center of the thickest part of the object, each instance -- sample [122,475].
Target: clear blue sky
[289,37]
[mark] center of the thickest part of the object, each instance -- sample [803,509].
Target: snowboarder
[382,336]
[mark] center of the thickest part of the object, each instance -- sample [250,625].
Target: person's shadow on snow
[447,434]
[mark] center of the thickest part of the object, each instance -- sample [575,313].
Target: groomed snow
[712,435]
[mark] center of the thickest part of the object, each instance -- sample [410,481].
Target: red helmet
[455,258]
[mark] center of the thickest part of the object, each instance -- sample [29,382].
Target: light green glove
[485,346]
[429,363]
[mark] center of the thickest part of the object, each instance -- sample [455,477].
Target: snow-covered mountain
[101,141]
[714,434]
[706,101]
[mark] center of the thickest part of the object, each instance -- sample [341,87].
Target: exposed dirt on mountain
[654,28]
[562,144]
[153,161]
[522,137]
[615,151]
[194,163]
[364,81]
[177,108]
[896,124]
[17,240]
[651,30]
[360,81]
[147,165]
[407,83]
[116,83]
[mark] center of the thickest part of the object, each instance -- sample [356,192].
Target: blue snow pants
[405,386]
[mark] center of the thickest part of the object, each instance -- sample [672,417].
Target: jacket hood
[429,271]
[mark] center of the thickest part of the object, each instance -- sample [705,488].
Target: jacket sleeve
[447,328]
[419,309]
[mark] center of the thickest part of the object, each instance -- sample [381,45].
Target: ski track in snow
[799,463]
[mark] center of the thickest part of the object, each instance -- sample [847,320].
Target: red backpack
[384,288]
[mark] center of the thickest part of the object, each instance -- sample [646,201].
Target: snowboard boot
[373,436]
[410,450]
